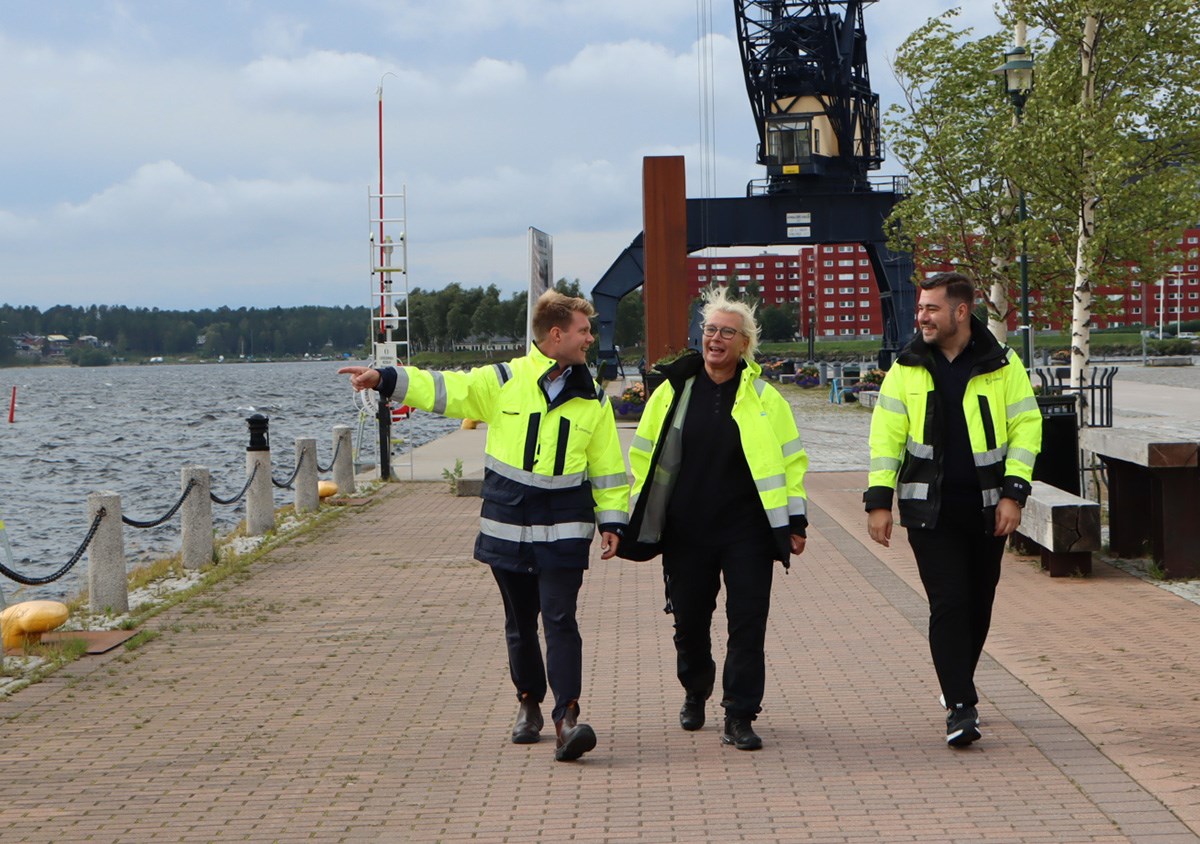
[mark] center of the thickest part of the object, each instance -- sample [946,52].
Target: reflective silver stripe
[633,500]
[917,492]
[1023,454]
[503,372]
[401,383]
[641,444]
[991,497]
[771,482]
[885,464]
[603,398]
[797,506]
[990,458]
[1023,406]
[916,449]
[760,386]
[536,533]
[777,517]
[530,479]
[608,481]
[617,517]
[439,392]
[793,447]
[893,404]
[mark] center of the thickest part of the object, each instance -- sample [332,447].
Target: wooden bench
[1153,491]
[1063,526]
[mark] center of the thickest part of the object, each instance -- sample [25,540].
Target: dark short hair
[959,288]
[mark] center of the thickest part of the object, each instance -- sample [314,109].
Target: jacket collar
[691,362]
[579,383]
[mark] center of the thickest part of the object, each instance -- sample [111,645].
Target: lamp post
[1017,75]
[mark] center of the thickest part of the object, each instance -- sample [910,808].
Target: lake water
[132,429]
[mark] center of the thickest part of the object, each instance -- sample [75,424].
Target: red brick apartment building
[834,284]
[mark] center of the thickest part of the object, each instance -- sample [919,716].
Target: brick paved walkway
[352,686]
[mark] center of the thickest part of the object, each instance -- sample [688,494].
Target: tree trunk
[1081,312]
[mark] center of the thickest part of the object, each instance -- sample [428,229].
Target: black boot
[740,733]
[691,716]
[574,739]
[528,728]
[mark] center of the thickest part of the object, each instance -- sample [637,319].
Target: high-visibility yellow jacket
[553,470]
[770,442]
[1003,422]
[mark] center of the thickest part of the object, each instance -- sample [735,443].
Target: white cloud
[243,136]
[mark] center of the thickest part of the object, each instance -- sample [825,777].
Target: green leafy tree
[777,324]
[1115,117]
[1107,152]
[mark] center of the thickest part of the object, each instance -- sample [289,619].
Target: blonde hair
[716,300]
[553,309]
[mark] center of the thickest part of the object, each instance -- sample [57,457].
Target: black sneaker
[691,715]
[740,733]
[962,725]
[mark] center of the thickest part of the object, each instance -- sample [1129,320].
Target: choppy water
[132,429]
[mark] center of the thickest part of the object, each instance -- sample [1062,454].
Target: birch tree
[1115,119]
[1108,153]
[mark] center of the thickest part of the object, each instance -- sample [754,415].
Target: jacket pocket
[500,490]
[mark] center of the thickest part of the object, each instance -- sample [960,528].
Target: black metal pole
[385,441]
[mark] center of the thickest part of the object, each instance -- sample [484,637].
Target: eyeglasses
[727,331]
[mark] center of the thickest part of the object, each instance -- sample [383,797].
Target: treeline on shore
[439,321]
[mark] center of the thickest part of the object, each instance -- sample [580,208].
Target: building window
[864,276]
[864,331]
[864,304]
[847,248]
[829,317]
[864,290]
[828,291]
[846,262]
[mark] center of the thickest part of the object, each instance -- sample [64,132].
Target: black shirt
[714,497]
[950,378]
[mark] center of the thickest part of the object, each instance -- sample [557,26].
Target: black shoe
[529,723]
[962,725]
[740,733]
[691,716]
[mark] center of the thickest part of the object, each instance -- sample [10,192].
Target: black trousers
[553,593]
[693,576]
[959,563]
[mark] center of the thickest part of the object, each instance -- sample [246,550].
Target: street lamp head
[1017,71]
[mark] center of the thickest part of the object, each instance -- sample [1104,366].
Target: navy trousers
[552,593]
[959,563]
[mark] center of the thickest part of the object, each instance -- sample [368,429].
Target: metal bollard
[343,464]
[108,584]
[307,499]
[260,501]
[196,518]
[822,374]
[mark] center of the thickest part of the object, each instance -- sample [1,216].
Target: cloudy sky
[189,153]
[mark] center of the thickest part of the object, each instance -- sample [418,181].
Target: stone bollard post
[343,463]
[196,518]
[307,499]
[823,374]
[260,501]
[108,584]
